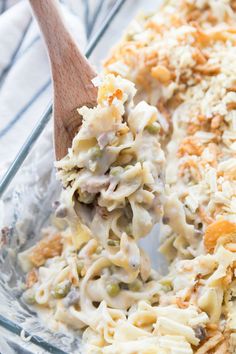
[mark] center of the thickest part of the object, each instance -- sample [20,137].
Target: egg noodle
[159,147]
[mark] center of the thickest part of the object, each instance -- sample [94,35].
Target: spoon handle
[51,23]
[58,39]
[71,73]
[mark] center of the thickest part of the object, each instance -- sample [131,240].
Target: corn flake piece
[211,343]
[199,57]
[231,105]
[209,70]
[48,247]
[161,73]
[221,231]
[117,94]
[31,278]
[190,146]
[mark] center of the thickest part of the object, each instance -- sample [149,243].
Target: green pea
[116,171]
[113,289]
[61,289]
[80,266]
[166,287]
[127,167]
[166,282]
[128,229]
[29,296]
[96,152]
[85,197]
[136,285]
[153,128]
[99,249]
[113,243]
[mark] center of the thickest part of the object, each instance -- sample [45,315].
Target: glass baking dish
[27,192]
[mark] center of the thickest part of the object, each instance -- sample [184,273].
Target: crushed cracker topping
[50,246]
[220,229]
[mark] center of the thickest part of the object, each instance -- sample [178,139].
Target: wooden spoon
[71,74]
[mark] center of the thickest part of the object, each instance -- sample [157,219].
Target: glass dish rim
[22,155]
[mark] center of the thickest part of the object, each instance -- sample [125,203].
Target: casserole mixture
[167,154]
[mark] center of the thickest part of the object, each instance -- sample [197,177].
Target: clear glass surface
[25,208]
